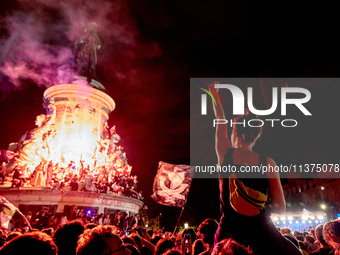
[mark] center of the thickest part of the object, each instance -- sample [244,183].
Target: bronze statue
[85,52]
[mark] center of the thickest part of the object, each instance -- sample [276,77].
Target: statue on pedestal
[85,52]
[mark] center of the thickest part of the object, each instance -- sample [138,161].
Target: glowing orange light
[74,134]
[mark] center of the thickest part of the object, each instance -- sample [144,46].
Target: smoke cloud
[39,35]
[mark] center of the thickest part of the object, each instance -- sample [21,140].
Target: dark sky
[150,50]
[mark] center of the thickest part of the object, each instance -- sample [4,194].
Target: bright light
[290,218]
[284,222]
[146,225]
[312,217]
[303,221]
[278,222]
[304,217]
[290,222]
[320,217]
[322,188]
[309,221]
[296,221]
[283,218]
[323,207]
[316,221]
[186,225]
[75,135]
[275,218]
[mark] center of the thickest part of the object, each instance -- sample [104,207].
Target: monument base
[57,200]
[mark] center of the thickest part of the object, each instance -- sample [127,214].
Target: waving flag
[172,184]
[6,212]
[306,213]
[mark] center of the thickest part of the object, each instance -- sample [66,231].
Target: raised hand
[212,86]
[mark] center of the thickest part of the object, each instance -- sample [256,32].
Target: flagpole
[178,221]
[28,223]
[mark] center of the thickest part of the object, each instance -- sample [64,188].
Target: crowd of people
[245,226]
[71,179]
[102,238]
[42,219]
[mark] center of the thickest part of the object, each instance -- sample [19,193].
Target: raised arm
[222,143]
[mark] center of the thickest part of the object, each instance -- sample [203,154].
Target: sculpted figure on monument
[34,144]
[85,52]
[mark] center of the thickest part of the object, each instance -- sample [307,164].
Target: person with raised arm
[247,199]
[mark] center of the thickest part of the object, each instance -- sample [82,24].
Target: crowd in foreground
[40,219]
[76,238]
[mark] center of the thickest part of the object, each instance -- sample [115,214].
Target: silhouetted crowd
[106,235]
[41,219]
[98,180]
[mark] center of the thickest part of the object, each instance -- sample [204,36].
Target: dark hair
[163,245]
[312,231]
[155,238]
[309,239]
[136,238]
[319,235]
[246,132]
[230,247]
[139,230]
[198,247]
[296,233]
[92,241]
[150,232]
[331,228]
[304,246]
[300,238]
[66,236]
[90,225]
[208,227]
[30,243]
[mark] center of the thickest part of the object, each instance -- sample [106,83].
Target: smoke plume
[38,38]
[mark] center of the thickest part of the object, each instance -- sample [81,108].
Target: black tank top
[250,180]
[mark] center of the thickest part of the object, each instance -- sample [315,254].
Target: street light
[323,207]
[186,225]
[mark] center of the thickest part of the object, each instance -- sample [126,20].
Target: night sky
[149,52]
